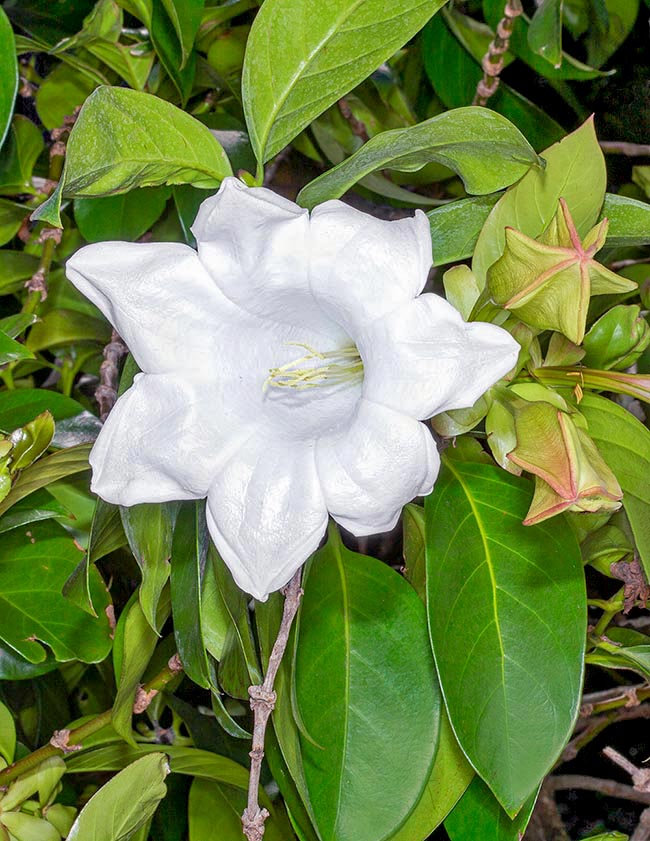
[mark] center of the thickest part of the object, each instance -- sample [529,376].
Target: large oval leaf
[483,147]
[507,613]
[302,55]
[625,445]
[367,694]
[8,74]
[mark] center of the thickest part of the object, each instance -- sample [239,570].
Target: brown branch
[262,703]
[492,63]
[640,776]
[546,823]
[631,150]
[358,127]
[610,788]
[109,375]
[589,728]
[642,831]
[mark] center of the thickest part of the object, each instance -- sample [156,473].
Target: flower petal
[255,244]
[165,439]
[266,513]
[157,296]
[423,359]
[383,461]
[363,267]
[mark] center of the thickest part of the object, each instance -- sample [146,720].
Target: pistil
[332,368]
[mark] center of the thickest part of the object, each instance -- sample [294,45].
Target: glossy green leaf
[15,268]
[22,405]
[545,31]
[479,815]
[46,470]
[507,611]
[40,505]
[180,66]
[575,171]
[123,217]
[124,139]
[454,74]
[125,803]
[23,145]
[450,776]
[624,443]
[211,805]
[8,74]
[414,548]
[189,550]
[12,216]
[34,564]
[317,54]
[629,221]
[7,734]
[185,16]
[67,327]
[455,227]
[149,529]
[15,667]
[11,350]
[367,693]
[481,146]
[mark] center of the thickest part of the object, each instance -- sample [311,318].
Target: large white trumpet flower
[286,368]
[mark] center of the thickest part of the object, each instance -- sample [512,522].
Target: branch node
[60,739]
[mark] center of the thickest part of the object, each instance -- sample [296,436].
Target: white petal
[423,359]
[266,513]
[363,267]
[157,296]
[165,439]
[255,244]
[383,461]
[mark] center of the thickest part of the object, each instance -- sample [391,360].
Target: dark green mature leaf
[12,216]
[575,171]
[40,505]
[125,803]
[450,776]
[454,74]
[180,65]
[189,550]
[479,815]
[20,406]
[23,145]
[545,31]
[303,55]
[11,350]
[507,611]
[34,564]
[123,217]
[124,139]
[15,268]
[46,470]
[67,327]
[624,443]
[367,694]
[481,146]
[185,16]
[455,227]
[629,221]
[8,74]
[14,667]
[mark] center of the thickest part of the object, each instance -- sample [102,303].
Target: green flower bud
[617,339]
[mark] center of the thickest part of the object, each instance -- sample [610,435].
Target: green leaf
[40,505]
[66,327]
[149,529]
[11,350]
[545,31]
[212,804]
[7,734]
[185,16]
[180,66]
[629,221]
[124,139]
[64,89]
[12,216]
[34,564]
[575,171]
[23,145]
[455,227]
[450,776]
[20,406]
[8,74]
[481,146]
[624,443]
[183,760]
[123,217]
[15,268]
[507,612]
[125,803]
[454,74]
[414,548]
[318,53]
[189,550]
[479,815]
[46,470]
[368,696]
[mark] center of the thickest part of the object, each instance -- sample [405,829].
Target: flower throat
[333,367]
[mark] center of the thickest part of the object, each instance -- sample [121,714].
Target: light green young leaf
[7,734]
[507,608]
[481,146]
[629,221]
[377,660]
[125,803]
[124,139]
[11,350]
[8,74]
[302,55]
[575,171]
[211,804]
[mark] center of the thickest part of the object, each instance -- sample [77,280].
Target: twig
[592,727]
[640,776]
[610,788]
[617,265]
[109,375]
[358,128]
[492,63]
[631,150]
[642,831]
[546,823]
[262,703]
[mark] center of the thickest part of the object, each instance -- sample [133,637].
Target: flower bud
[570,474]
[617,339]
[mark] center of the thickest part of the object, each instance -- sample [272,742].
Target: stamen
[338,366]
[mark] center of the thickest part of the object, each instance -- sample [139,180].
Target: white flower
[332,300]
